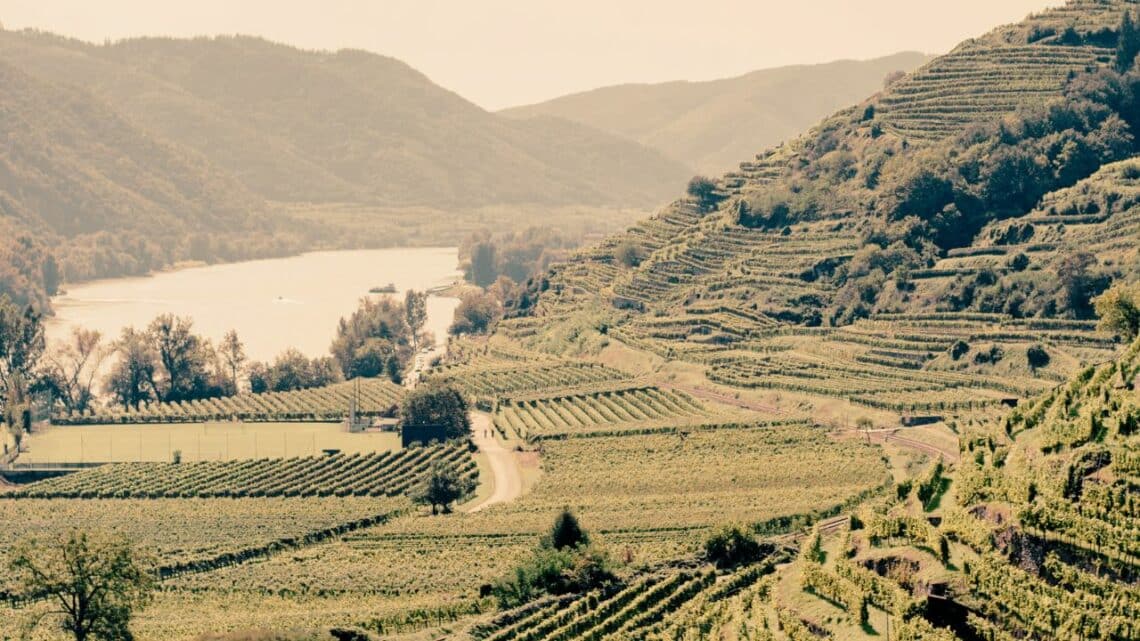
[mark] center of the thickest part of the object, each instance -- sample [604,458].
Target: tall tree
[1128,44]
[17,409]
[432,405]
[72,367]
[567,533]
[183,358]
[1076,279]
[483,271]
[94,584]
[476,313]
[415,312]
[358,347]
[21,342]
[443,486]
[233,355]
[131,381]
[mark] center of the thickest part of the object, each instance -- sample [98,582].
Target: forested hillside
[128,157]
[349,126]
[934,233]
[712,125]
[85,193]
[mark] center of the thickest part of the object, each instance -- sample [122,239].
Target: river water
[273,304]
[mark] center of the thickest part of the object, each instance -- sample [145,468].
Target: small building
[422,434]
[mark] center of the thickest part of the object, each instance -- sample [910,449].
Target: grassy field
[197,442]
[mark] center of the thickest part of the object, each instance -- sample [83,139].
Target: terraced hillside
[1031,535]
[492,378]
[656,606]
[980,81]
[910,253]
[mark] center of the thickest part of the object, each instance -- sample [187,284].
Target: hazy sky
[500,53]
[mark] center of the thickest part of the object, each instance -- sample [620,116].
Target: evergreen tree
[567,533]
[1128,45]
[483,271]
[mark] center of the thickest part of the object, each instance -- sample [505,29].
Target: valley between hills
[876,382]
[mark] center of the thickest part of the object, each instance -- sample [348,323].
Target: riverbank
[273,304]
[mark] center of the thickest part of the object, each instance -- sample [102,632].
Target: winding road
[506,477]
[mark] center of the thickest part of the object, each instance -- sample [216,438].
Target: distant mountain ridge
[124,158]
[350,126]
[711,125]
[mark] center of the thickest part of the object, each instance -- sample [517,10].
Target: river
[273,304]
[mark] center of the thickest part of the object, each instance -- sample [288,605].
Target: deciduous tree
[72,367]
[1119,311]
[232,352]
[476,314]
[131,381]
[443,487]
[93,584]
[21,342]
[415,313]
[356,346]
[437,405]
[183,359]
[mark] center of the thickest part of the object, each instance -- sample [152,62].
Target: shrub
[1037,356]
[990,356]
[703,191]
[629,253]
[1119,311]
[567,533]
[1019,263]
[732,546]
[575,567]
[959,349]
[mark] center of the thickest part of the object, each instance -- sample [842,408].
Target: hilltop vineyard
[602,410]
[495,377]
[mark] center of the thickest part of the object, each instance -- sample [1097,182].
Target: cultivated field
[197,442]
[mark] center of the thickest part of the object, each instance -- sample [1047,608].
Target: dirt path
[950,456]
[710,395]
[506,476]
[891,435]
